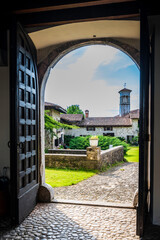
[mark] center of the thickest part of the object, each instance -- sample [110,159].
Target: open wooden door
[144,124]
[24,124]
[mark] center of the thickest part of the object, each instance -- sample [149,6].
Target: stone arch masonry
[49,56]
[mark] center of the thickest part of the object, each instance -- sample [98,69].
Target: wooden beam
[68,6]
[91,13]
[121,17]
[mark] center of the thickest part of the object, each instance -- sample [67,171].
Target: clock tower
[124,107]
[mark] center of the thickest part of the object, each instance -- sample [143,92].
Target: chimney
[86,113]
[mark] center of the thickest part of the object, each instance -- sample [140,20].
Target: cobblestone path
[82,222]
[117,185]
[72,222]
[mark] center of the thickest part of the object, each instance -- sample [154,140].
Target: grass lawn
[66,177]
[132,154]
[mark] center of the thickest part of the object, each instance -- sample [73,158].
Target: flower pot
[93,142]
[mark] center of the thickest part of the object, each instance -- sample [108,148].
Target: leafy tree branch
[51,124]
[74,109]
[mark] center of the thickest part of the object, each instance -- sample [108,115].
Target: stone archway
[47,59]
[54,54]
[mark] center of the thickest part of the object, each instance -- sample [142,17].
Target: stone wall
[71,161]
[111,156]
[93,159]
[67,151]
[127,131]
[118,131]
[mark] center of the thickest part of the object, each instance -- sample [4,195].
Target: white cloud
[74,84]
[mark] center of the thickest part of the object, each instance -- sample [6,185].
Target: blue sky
[91,77]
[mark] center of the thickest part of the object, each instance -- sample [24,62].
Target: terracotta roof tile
[134,114]
[125,90]
[56,107]
[71,117]
[117,121]
[106,121]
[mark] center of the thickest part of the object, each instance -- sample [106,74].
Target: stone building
[124,125]
[54,111]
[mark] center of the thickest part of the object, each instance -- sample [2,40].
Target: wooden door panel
[24,126]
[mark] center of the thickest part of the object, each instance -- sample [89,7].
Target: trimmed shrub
[79,142]
[67,139]
[104,142]
[134,141]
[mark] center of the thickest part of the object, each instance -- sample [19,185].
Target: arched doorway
[51,59]
[79,69]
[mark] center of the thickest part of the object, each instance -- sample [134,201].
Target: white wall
[4,118]
[124,131]
[59,132]
[118,131]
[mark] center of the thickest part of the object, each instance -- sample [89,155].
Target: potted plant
[93,141]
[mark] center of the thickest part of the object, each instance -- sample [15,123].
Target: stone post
[94,153]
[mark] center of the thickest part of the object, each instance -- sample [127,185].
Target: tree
[51,124]
[74,109]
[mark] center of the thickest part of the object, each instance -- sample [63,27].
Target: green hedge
[104,142]
[79,142]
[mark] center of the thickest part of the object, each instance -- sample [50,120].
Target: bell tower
[124,107]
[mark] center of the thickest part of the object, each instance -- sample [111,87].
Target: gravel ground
[117,185]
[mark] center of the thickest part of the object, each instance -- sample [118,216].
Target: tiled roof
[72,117]
[56,107]
[125,90]
[134,114]
[117,121]
[106,121]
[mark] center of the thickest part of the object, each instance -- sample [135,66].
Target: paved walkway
[116,185]
[80,222]
[72,222]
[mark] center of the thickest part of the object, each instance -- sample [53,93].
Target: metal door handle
[20,145]
[9,144]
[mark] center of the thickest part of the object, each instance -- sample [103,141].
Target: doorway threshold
[94,203]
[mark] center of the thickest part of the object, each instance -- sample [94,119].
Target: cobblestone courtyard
[71,222]
[67,221]
[117,185]
[84,222]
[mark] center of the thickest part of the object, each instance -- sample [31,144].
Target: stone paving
[117,185]
[82,222]
[72,222]
[66,221]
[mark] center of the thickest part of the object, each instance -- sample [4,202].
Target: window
[60,140]
[125,99]
[90,128]
[108,134]
[108,128]
[56,142]
[129,138]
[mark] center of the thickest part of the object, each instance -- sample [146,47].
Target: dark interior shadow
[152,232]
